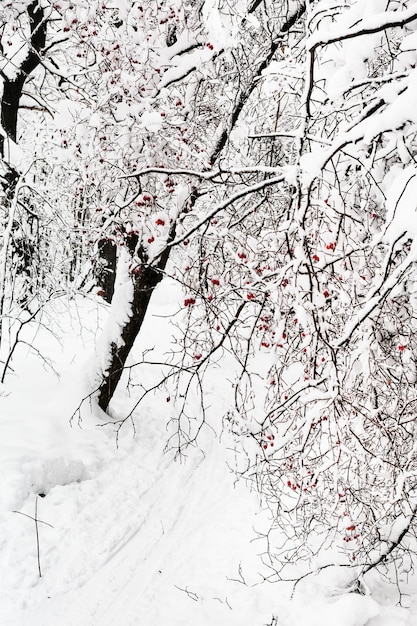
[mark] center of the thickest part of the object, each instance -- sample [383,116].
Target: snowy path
[134,537]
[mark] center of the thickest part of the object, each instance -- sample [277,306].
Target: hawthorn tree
[337,459]
[263,155]
[146,153]
[287,190]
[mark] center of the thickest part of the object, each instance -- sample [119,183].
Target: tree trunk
[106,268]
[145,282]
[12,89]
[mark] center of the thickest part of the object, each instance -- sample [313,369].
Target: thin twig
[37,522]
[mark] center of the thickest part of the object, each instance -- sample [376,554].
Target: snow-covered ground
[129,535]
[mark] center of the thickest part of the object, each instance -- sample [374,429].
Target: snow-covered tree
[263,155]
[338,460]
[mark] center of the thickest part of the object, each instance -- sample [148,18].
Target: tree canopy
[262,155]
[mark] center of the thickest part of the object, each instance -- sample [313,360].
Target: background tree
[23,33]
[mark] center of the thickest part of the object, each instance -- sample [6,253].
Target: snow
[152,121]
[131,535]
[121,309]
[401,203]
[368,25]
[222,22]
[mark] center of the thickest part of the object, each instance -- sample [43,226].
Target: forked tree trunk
[145,282]
[12,87]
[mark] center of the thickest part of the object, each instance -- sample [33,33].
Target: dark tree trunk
[145,282]
[12,89]
[12,93]
[106,270]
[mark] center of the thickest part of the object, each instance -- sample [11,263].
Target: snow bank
[130,535]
